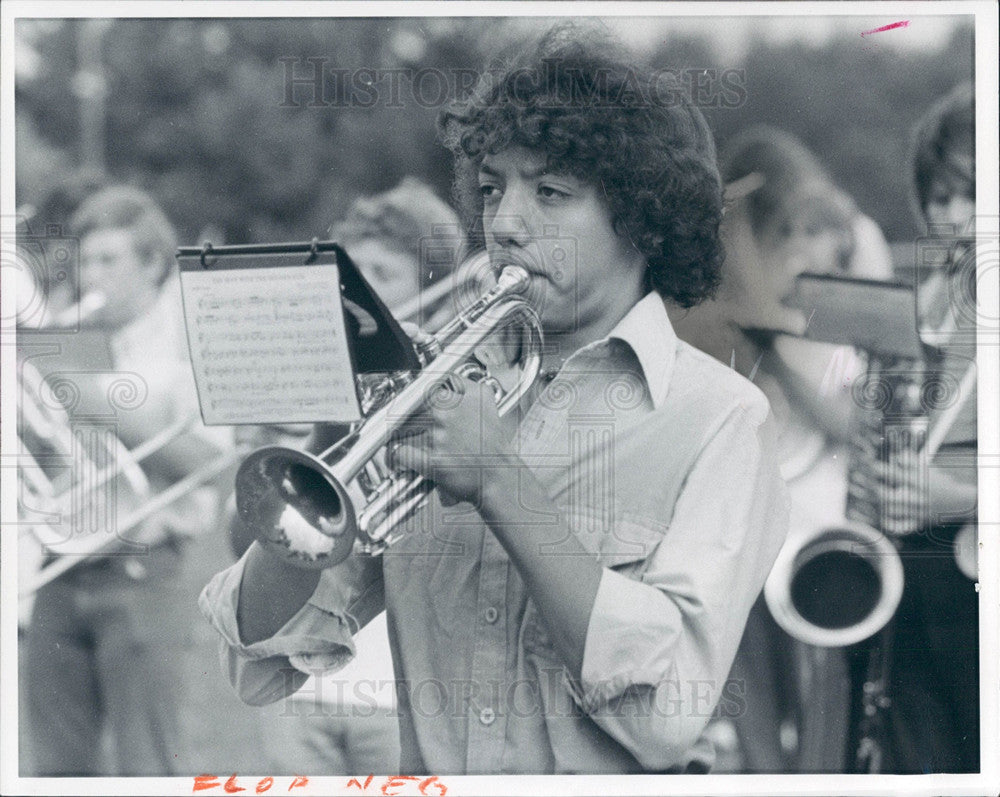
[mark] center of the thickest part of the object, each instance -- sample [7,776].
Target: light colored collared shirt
[657,456]
[366,683]
[150,357]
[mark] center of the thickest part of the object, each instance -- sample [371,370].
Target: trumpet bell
[837,587]
[299,510]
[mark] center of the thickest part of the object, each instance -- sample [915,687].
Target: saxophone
[839,584]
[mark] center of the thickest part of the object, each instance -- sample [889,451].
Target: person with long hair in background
[785,216]
[933,718]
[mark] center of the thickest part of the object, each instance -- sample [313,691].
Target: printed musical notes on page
[268,345]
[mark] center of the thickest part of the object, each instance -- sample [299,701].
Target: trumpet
[315,510]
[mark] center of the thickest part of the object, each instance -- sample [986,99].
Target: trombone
[104,545]
[461,284]
[90,479]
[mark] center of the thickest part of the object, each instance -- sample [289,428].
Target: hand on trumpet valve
[455,439]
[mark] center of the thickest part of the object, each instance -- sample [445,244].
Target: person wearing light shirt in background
[572,597]
[784,217]
[106,639]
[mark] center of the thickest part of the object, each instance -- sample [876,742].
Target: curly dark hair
[601,116]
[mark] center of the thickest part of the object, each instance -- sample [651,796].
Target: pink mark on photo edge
[904,24]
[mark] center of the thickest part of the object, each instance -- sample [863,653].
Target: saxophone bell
[836,587]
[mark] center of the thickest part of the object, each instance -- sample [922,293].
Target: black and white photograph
[514,398]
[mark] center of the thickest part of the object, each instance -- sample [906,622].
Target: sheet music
[269,345]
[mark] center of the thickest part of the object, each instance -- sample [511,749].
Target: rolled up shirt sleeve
[318,637]
[661,640]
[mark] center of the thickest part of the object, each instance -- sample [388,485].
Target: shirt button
[491,615]
[487,716]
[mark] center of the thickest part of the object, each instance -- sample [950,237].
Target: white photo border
[986,782]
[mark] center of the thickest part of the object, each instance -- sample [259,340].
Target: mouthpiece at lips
[92,302]
[89,304]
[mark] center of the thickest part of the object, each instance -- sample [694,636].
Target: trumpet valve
[373,478]
[428,348]
[385,532]
[389,494]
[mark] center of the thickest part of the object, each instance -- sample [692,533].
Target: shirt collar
[647,330]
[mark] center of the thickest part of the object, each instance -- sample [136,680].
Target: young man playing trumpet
[572,598]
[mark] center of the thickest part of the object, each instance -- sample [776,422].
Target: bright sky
[734,35]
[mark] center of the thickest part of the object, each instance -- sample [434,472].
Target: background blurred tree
[196,111]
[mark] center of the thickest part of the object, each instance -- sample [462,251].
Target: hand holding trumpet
[455,439]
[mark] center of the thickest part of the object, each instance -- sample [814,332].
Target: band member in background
[345,722]
[933,714]
[404,241]
[572,598]
[105,639]
[42,294]
[785,216]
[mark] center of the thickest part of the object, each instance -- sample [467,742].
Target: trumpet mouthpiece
[90,303]
[514,279]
